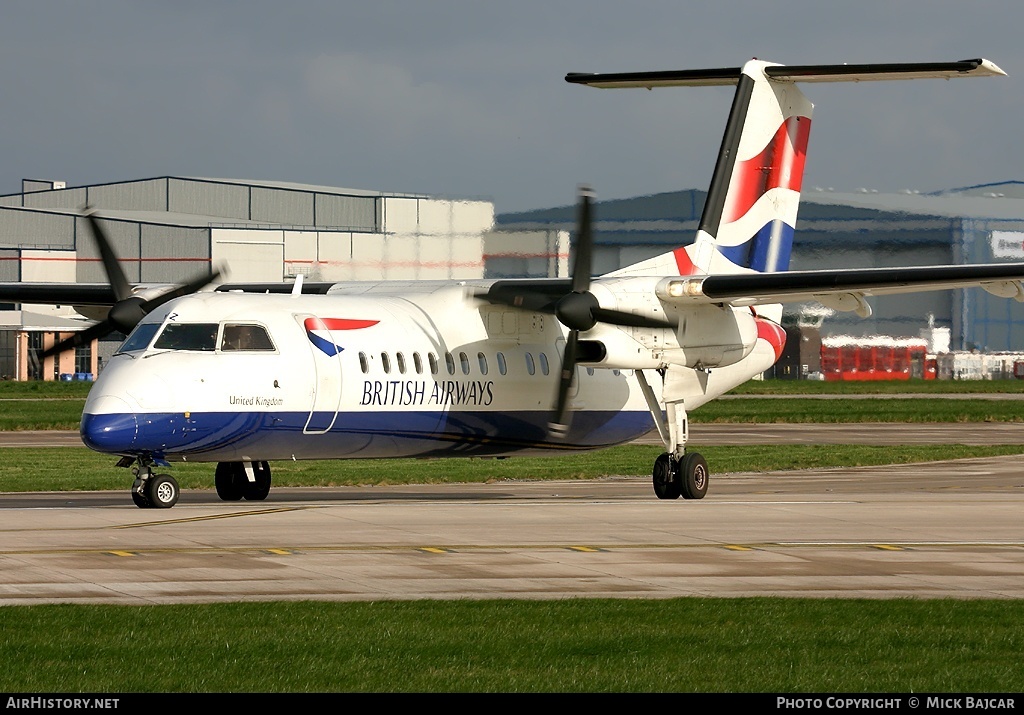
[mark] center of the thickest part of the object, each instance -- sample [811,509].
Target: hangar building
[863,229]
[170,228]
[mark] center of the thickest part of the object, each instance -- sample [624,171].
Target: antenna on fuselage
[297,288]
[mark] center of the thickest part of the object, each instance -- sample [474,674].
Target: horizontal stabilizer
[790,73]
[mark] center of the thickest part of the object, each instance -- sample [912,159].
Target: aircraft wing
[57,293]
[845,289]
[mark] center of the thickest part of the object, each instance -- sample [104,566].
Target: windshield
[188,336]
[139,338]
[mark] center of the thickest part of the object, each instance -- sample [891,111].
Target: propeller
[128,309]
[578,310]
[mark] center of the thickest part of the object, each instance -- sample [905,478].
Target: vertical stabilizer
[750,212]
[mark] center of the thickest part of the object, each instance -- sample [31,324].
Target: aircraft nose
[110,426]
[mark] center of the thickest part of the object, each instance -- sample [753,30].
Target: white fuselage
[427,371]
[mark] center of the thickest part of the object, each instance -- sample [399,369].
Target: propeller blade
[115,276]
[82,337]
[193,286]
[559,425]
[581,264]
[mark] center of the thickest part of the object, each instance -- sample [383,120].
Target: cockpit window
[139,338]
[187,336]
[245,337]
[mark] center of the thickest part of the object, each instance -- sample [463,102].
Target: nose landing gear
[152,491]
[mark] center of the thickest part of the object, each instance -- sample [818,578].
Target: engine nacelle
[703,335]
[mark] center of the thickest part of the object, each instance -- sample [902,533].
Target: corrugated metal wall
[358,213]
[124,238]
[173,254]
[208,198]
[148,195]
[10,265]
[70,199]
[32,228]
[289,208]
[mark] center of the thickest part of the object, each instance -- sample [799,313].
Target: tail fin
[750,212]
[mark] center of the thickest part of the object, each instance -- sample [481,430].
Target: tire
[229,480]
[694,476]
[666,477]
[140,500]
[258,490]
[162,491]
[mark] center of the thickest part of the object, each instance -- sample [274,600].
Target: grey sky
[462,98]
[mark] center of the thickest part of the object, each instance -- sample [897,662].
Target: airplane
[242,375]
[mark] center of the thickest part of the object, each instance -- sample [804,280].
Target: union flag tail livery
[247,374]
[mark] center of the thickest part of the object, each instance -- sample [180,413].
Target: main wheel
[140,500]
[693,476]
[162,491]
[258,490]
[666,477]
[230,480]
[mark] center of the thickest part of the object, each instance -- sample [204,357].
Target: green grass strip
[79,469]
[575,646]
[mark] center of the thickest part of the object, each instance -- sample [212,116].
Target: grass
[747,645]
[46,469]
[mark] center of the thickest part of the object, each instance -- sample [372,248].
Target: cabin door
[325,375]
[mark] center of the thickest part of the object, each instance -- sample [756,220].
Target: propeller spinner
[128,309]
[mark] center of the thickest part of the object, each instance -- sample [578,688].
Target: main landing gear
[687,478]
[243,480]
[676,472]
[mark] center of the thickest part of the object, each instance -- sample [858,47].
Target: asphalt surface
[947,529]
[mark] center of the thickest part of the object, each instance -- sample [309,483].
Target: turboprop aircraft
[244,375]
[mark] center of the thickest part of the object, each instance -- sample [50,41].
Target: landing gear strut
[676,472]
[153,491]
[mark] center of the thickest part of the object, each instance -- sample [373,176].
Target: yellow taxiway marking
[737,547]
[435,550]
[280,552]
[121,553]
[887,547]
[585,549]
[228,515]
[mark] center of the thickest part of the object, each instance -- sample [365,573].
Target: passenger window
[188,336]
[544,363]
[590,371]
[401,362]
[385,362]
[530,367]
[432,359]
[363,364]
[245,337]
[482,359]
[450,362]
[417,363]
[502,367]
[139,338]
[464,361]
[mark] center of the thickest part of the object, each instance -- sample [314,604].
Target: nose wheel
[154,491]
